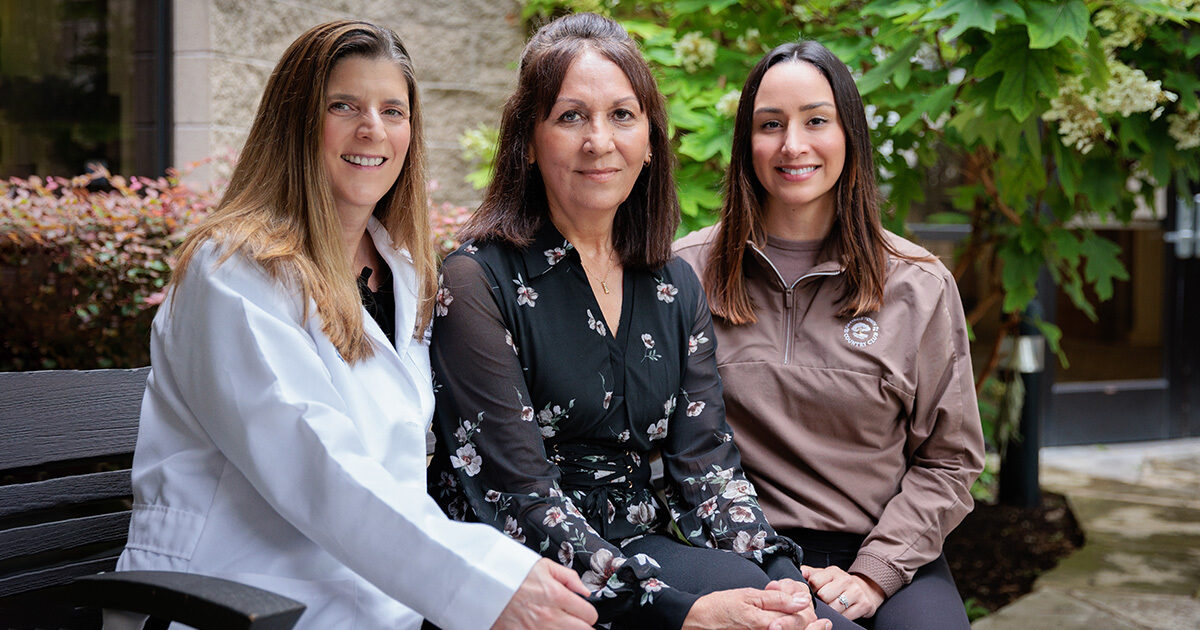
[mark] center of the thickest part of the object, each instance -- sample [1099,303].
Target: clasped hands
[782,605]
[851,595]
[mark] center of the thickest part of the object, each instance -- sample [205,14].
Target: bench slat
[52,576]
[75,532]
[41,412]
[113,484]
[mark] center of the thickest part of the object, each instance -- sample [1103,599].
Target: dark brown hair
[857,234]
[278,209]
[515,206]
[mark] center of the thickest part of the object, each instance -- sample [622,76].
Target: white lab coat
[265,458]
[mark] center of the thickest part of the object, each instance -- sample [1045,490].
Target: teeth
[363,161]
[798,171]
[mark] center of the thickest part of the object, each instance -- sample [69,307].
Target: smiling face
[797,142]
[592,146]
[365,132]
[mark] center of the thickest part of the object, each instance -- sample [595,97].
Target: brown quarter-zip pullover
[866,425]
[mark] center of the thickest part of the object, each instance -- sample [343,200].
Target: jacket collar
[831,265]
[547,250]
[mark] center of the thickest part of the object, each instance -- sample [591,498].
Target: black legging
[931,600]
[701,570]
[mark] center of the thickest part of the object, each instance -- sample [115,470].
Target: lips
[364,160]
[802,170]
[599,174]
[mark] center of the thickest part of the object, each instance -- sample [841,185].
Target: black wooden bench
[66,447]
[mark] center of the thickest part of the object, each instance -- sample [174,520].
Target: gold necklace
[604,281]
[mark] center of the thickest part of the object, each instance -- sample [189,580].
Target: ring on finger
[843,601]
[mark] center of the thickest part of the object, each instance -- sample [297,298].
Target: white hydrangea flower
[695,51]
[1184,128]
[728,103]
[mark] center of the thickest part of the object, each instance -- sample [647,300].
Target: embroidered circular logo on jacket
[861,332]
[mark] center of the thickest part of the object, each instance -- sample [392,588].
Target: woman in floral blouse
[569,346]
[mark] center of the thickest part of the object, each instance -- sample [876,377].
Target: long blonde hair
[278,209]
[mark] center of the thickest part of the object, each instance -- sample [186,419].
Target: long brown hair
[278,209]
[857,234]
[515,206]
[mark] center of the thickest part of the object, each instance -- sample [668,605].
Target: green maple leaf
[980,14]
[1049,23]
[1103,265]
[1026,72]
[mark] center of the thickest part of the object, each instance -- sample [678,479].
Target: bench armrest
[200,601]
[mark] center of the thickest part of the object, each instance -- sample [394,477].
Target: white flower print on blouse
[526,410]
[623,436]
[549,417]
[556,254]
[741,514]
[566,553]
[601,573]
[555,517]
[658,430]
[737,489]
[442,301]
[526,296]
[694,408]
[650,586]
[651,353]
[492,496]
[641,514]
[665,291]
[695,341]
[470,249]
[596,324]
[513,530]
[508,341]
[467,459]
[669,406]
[604,386]
[746,542]
[708,508]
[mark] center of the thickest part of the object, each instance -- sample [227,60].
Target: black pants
[701,570]
[931,600]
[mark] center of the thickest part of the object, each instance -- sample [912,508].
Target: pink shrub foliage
[84,261]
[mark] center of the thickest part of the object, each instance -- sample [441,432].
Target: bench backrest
[66,445]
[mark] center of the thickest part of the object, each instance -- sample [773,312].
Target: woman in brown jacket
[843,351]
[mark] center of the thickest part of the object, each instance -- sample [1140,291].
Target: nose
[599,139]
[794,143]
[370,125]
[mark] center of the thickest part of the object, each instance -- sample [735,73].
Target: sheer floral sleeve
[492,462]
[710,499]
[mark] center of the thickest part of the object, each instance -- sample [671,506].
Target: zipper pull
[787,298]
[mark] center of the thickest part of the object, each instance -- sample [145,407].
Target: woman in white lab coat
[282,437]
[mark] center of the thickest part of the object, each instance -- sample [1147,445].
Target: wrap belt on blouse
[603,474]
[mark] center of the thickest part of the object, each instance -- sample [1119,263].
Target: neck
[807,223]
[355,238]
[591,236]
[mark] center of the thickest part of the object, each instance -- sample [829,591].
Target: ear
[530,153]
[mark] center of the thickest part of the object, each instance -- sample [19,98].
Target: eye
[570,116]
[339,106]
[624,115]
[817,121]
[770,124]
[394,112]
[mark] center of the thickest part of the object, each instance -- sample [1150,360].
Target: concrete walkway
[1139,507]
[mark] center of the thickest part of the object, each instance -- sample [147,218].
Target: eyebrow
[397,102]
[578,103]
[776,110]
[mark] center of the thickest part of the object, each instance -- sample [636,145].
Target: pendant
[604,285]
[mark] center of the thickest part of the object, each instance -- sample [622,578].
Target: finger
[820,624]
[580,609]
[786,585]
[818,578]
[805,570]
[779,601]
[568,578]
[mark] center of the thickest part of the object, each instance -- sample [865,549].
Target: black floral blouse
[546,421]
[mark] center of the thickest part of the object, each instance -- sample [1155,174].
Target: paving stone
[1052,609]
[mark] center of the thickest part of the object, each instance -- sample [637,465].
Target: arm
[945,446]
[493,443]
[710,499]
[253,377]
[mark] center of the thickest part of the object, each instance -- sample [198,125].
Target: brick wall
[465,52]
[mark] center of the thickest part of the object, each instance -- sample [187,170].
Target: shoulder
[694,247]
[217,278]
[918,277]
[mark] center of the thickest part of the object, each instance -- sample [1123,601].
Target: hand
[752,609]
[864,595]
[548,598]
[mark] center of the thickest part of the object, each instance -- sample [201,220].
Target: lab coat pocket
[329,604]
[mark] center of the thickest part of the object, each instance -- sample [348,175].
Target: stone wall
[465,52]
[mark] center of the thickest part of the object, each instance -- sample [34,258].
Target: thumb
[805,570]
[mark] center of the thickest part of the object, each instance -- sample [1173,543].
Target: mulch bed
[998,550]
